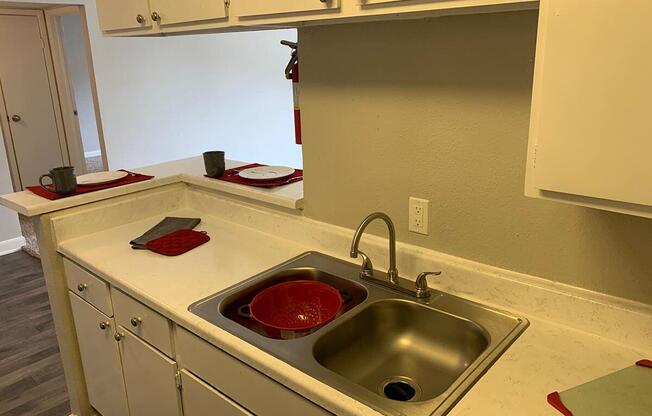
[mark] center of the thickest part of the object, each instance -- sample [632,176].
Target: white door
[173,12]
[150,378]
[123,14]
[200,399]
[100,358]
[258,8]
[28,99]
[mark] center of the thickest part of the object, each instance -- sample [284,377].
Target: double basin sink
[397,354]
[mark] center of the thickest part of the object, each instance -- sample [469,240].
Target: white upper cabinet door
[100,358]
[265,7]
[123,14]
[171,12]
[590,132]
[363,2]
[150,378]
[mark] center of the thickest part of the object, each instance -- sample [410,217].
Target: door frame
[66,92]
[56,105]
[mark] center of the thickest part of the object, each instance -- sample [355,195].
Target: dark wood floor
[31,376]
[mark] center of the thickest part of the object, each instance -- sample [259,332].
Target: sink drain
[401,389]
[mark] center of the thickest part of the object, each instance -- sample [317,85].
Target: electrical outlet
[418,217]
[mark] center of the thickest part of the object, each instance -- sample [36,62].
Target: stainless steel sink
[399,355]
[398,344]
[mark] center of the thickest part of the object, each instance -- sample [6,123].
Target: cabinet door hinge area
[177,378]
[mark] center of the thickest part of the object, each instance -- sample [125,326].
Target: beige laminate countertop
[190,170]
[547,357]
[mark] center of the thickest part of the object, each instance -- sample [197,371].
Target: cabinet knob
[81,287]
[118,336]
[136,321]
[156,17]
[140,19]
[15,118]
[324,1]
[104,325]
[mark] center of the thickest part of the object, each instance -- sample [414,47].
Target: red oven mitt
[178,242]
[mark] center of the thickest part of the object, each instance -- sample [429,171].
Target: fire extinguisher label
[295,93]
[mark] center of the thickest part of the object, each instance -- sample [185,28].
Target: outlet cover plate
[418,217]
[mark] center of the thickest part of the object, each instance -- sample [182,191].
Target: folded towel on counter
[165,227]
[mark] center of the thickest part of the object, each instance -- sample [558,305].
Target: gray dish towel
[165,227]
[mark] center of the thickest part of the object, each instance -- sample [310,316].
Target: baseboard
[11,246]
[93,153]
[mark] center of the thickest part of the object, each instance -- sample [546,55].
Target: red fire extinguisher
[292,73]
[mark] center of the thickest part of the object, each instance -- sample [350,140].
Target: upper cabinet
[156,17]
[123,15]
[174,12]
[247,8]
[589,138]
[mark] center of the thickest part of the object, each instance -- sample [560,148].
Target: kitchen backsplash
[439,109]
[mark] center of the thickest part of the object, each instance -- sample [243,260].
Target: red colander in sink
[288,309]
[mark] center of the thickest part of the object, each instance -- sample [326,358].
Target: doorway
[48,103]
[73,67]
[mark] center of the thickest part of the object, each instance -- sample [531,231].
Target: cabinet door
[100,358]
[123,14]
[175,12]
[150,378]
[363,2]
[590,121]
[258,8]
[200,399]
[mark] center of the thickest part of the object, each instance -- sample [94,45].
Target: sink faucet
[394,281]
[367,267]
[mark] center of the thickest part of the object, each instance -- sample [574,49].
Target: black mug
[64,181]
[214,163]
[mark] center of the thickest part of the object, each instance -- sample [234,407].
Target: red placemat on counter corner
[81,189]
[231,175]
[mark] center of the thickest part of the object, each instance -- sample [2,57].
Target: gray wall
[9,228]
[439,109]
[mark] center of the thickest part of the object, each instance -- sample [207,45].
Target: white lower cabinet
[100,358]
[200,399]
[131,368]
[150,378]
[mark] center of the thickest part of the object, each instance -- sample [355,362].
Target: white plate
[100,178]
[265,173]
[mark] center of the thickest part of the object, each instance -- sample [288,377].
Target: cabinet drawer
[90,288]
[248,387]
[200,399]
[143,321]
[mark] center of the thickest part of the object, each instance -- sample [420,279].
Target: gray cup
[64,181]
[214,163]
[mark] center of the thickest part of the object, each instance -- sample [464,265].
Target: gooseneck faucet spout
[392,272]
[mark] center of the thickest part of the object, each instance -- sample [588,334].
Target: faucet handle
[422,289]
[367,265]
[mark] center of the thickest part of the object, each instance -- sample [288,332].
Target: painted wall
[168,98]
[9,228]
[439,109]
[73,45]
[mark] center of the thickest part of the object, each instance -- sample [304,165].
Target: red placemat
[81,189]
[231,175]
[178,242]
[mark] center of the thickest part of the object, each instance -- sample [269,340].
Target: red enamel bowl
[290,309]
